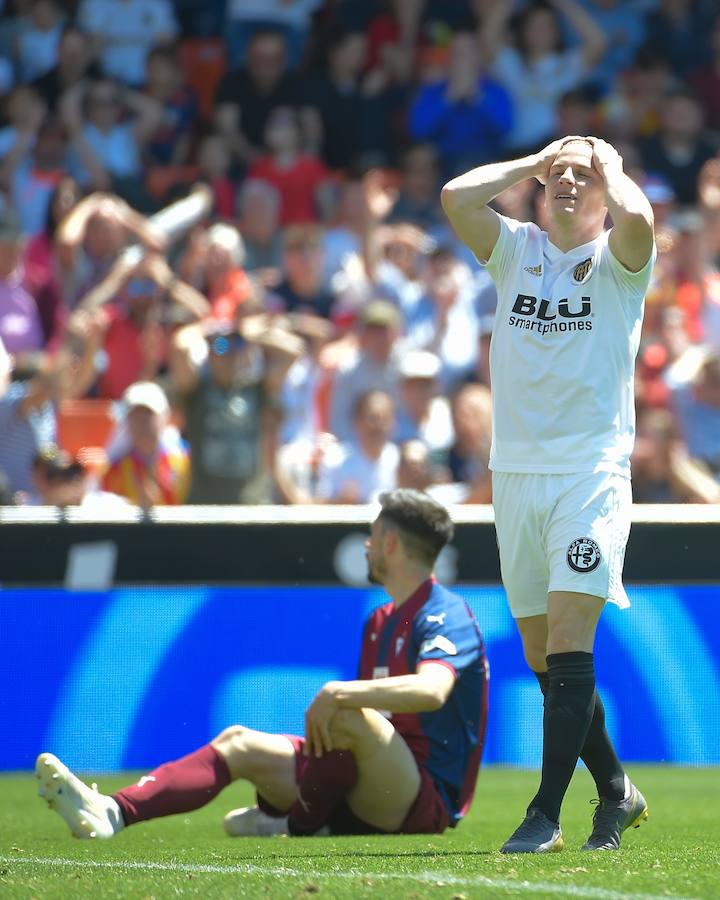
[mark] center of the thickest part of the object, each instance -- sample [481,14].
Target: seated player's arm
[632,235]
[465,199]
[425,691]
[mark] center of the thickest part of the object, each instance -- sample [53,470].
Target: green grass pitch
[675,854]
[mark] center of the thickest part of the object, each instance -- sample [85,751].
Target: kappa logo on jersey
[439,618]
[534,270]
[582,270]
[533,314]
[583,555]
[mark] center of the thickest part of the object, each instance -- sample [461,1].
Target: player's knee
[229,743]
[347,727]
[568,637]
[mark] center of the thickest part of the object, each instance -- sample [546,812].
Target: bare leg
[534,633]
[265,760]
[388,779]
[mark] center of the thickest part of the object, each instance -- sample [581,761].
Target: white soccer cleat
[250,821]
[89,813]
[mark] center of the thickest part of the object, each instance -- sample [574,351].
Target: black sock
[569,705]
[597,753]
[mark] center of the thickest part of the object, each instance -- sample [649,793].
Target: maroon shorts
[427,815]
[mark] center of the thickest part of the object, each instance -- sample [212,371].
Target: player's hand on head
[546,157]
[605,157]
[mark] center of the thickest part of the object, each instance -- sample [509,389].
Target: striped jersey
[435,625]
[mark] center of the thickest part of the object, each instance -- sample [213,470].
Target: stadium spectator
[247,95]
[409,769]
[417,472]
[136,321]
[303,289]
[362,203]
[27,420]
[417,200]
[127,30]
[577,112]
[704,80]
[21,328]
[694,381]
[356,106]
[93,234]
[678,31]
[370,460]
[259,222]
[63,480]
[467,115]
[75,61]
[149,463]
[538,72]
[300,178]
[450,315]
[303,392]
[37,47]
[215,167]
[680,149]
[170,144]
[468,457]
[303,467]
[662,470]
[108,147]
[372,366]
[246,18]
[421,412]
[623,27]
[213,264]
[32,170]
[43,253]
[24,112]
[229,379]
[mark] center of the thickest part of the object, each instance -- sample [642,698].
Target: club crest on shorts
[582,270]
[583,555]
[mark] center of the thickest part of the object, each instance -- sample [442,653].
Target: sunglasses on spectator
[226,343]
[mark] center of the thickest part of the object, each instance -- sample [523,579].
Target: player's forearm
[397,694]
[625,200]
[480,186]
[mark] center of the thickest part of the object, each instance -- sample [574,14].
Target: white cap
[419,364]
[147,394]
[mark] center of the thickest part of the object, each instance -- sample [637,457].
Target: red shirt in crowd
[297,185]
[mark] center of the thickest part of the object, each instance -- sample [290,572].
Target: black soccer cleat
[535,834]
[612,817]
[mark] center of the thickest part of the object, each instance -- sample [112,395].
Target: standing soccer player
[397,750]
[567,329]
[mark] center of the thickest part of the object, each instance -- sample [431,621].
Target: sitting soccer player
[397,750]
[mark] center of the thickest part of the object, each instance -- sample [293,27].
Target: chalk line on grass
[436,878]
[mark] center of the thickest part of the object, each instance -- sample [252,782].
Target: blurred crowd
[319,334]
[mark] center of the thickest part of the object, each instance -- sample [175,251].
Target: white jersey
[562,355]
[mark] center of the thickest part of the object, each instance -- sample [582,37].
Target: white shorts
[561,533]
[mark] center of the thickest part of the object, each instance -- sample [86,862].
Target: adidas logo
[534,270]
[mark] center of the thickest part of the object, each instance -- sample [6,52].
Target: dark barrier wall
[295,552]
